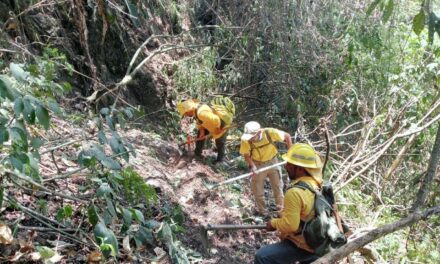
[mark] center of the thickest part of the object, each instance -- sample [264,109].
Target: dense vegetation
[365,72]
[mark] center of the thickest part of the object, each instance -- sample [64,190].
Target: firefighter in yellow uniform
[303,164]
[209,121]
[258,148]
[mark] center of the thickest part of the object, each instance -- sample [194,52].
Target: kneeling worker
[303,165]
[259,150]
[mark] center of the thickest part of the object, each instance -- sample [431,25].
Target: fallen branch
[379,232]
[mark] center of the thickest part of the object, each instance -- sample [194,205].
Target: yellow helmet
[303,155]
[186,106]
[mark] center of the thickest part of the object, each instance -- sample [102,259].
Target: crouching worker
[259,150]
[213,119]
[303,165]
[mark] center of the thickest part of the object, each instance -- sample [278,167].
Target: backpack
[321,232]
[224,108]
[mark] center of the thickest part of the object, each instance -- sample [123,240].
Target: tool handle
[248,174]
[220,227]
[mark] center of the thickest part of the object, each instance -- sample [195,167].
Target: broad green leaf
[18,138]
[372,7]
[102,138]
[92,215]
[105,111]
[18,106]
[4,135]
[388,11]
[134,15]
[2,190]
[43,116]
[114,144]
[128,112]
[109,121]
[419,22]
[18,160]
[110,207]
[110,163]
[6,90]
[36,143]
[86,159]
[152,224]
[18,72]
[45,252]
[144,236]
[138,215]
[103,190]
[127,216]
[28,112]
[165,234]
[106,236]
[121,120]
[53,106]
[32,172]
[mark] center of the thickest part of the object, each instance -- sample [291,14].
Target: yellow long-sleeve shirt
[210,121]
[298,205]
[262,150]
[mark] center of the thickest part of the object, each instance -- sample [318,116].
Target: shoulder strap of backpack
[268,139]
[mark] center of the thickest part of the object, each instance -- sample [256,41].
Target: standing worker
[303,165]
[213,119]
[259,150]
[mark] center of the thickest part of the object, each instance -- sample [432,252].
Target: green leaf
[128,112]
[45,252]
[114,144]
[53,106]
[18,138]
[18,72]
[43,116]
[134,15]
[419,22]
[110,207]
[101,137]
[28,112]
[109,122]
[388,11]
[121,120]
[106,236]
[92,215]
[6,88]
[103,190]
[2,190]
[111,163]
[372,7]
[4,135]
[36,143]
[138,215]
[60,215]
[18,106]
[105,111]
[144,236]
[127,216]
[165,234]
[68,210]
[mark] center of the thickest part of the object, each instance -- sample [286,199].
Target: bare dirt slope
[177,179]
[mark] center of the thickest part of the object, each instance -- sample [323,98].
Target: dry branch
[379,232]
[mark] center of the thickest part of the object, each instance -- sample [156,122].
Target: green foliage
[108,243]
[64,212]
[135,189]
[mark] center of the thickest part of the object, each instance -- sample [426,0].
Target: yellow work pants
[257,185]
